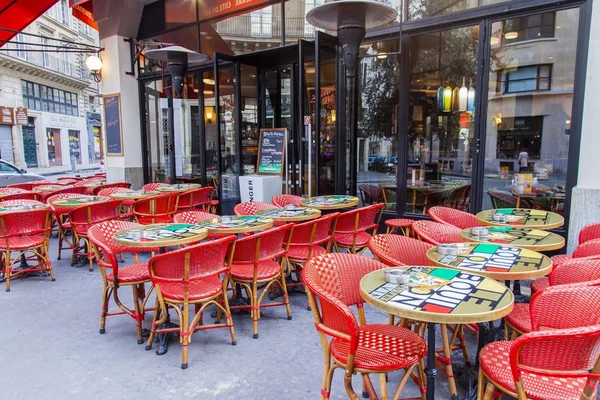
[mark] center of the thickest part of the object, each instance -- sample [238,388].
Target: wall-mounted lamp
[333,115]
[94,65]
[208,114]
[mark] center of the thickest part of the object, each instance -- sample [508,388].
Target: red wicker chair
[310,239]
[436,233]
[156,209]
[395,250]
[355,346]
[73,189]
[251,207]
[25,232]
[450,216]
[126,205]
[25,186]
[61,215]
[194,217]
[12,190]
[355,228]
[82,218]
[554,360]
[115,276]
[404,224]
[67,181]
[196,198]
[190,276]
[589,250]
[24,195]
[154,186]
[20,202]
[97,189]
[569,272]
[282,200]
[38,183]
[589,232]
[258,262]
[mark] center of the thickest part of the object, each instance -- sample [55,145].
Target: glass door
[441,135]
[529,103]
[307,148]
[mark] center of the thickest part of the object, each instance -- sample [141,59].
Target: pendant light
[447,98]
[471,97]
[455,98]
[462,97]
[440,98]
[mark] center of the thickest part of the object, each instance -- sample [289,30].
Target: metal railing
[251,26]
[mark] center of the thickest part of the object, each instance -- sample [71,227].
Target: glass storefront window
[230,167]
[418,9]
[75,145]
[441,119]
[529,110]
[378,86]
[210,128]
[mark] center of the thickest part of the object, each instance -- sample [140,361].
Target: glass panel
[428,8]
[529,132]
[75,145]
[157,131]
[210,128]
[327,118]
[443,69]
[308,109]
[230,168]
[378,86]
[249,105]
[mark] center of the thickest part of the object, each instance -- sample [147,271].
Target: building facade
[58,99]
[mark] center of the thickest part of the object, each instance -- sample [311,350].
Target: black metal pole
[430,371]
[171,117]
[352,100]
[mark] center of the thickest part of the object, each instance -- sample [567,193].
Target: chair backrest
[60,196]
[24,223]
[500,199]
[436,233]
[370,194]
[575,271]
[72,189]
[251,207]
[315,232]
[193,263]
[396,250]
[282,200]
[24,186]
[450,216]
[94,213]
[335,279]
[553,355]
[587,249]
[160,205]
[566,306]
[21,196]
[460,197]
[112,190]
[263,246]
[67,180]
[12,190]
[43,183]
[102,236]
[18,202]
[125,185]
[195,198]
[193,217]
[589,232]
[360,219]
[390,198]
[154,186]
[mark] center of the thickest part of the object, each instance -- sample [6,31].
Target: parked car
[10,174]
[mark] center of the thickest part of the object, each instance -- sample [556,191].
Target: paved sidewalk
[60,170]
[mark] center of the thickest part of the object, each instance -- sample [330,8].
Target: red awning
[84,11]
[18,14]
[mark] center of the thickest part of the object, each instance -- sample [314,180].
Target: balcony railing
[250,26]
[45,60]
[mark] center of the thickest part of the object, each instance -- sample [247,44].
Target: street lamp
[177,58]
[94,65]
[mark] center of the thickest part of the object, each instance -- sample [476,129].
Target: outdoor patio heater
[351,19]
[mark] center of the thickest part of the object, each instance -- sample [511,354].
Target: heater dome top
[165,53]
[344,13]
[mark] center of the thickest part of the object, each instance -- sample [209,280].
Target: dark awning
[16,15]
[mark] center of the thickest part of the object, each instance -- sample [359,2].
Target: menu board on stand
[271,151]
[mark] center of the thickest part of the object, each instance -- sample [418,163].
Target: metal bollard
[73,165]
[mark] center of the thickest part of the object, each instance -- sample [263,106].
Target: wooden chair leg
[402,383]
[489,391]
[480,385]
[254,310]
[156,322]
[185,333]
[7,269]
[383,386]
[137,314]
[286,298]
[228,315]
[104,308]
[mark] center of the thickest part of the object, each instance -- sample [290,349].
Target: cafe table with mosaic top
[526,238]
[237,224]
[78,201]
[29,205]
[331,202]
[290,214]
[435,295]
[48,188]
[134,195]
[178,187]
[522,217]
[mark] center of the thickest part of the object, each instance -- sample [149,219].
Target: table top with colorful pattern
[94,184]
[10,191]
[134,194]
[523,217]
[79,201]
[237,224]
[49,188]
[179,187]
[526,238]
[458,297]
[494,261]
[290,214]
[161,235]
[332,202]
[23,207]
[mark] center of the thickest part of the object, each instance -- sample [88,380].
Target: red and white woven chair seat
[22,242]
[132,273]
[399,222]
[245,272]
[198,290]
[539,284]
[381,347]
[559,258]
[346,239]
[495,362]
[300,253]
[155,220]
[520,318]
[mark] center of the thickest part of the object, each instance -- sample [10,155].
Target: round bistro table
[79,201]
[134,195]
[332,202]
[526,238]
[161,235]
[237,224]
[48,188]
[23,207]
[523,217]
[178,187]
[296,214]
[454,297]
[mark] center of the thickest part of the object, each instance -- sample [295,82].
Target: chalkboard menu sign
[271,151]
[112,120]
